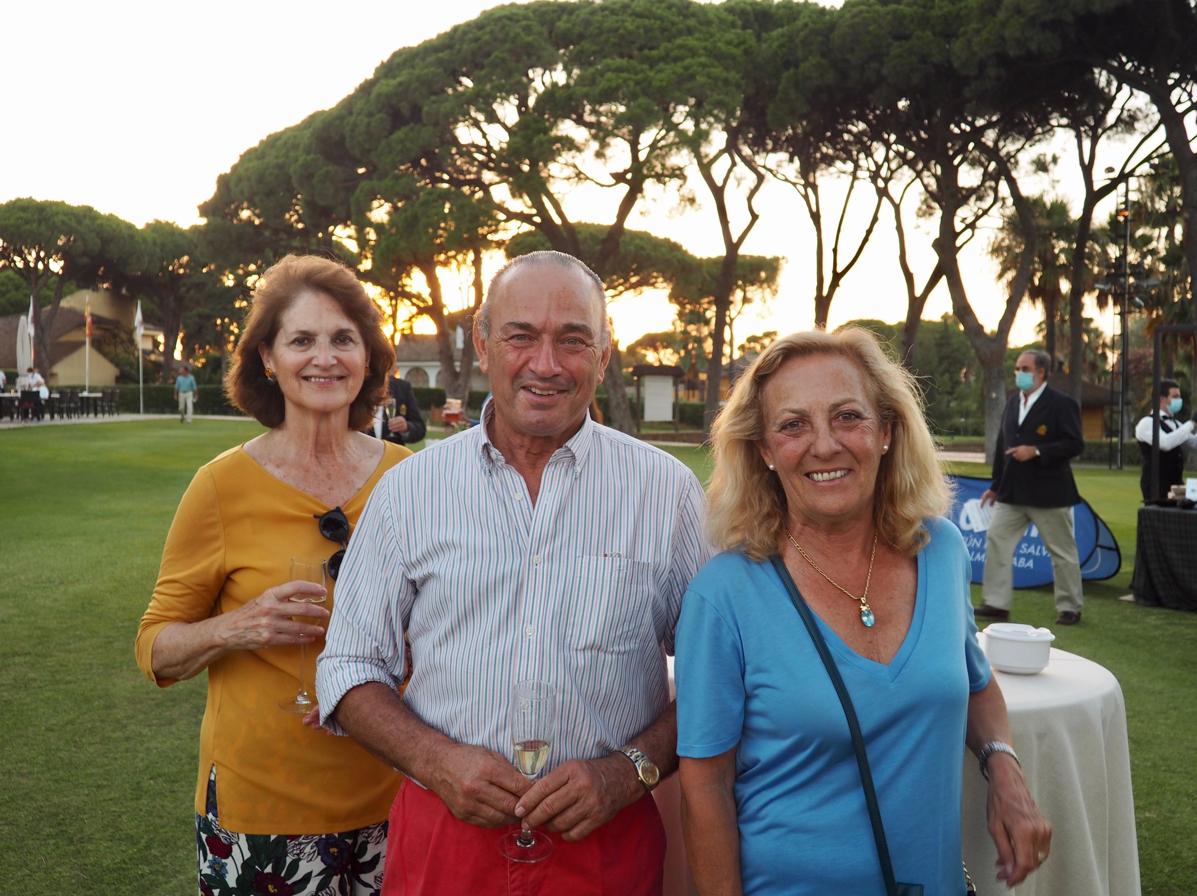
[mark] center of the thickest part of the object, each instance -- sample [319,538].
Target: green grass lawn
[99,765]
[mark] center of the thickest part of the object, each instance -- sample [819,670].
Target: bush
[1101,451]
[689,413]
[160,399]
[428,397]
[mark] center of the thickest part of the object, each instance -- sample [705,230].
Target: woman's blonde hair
[747,506]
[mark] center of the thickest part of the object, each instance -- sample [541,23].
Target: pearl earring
[771,467]
[884,448]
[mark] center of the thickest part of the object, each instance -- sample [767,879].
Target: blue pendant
[867,617]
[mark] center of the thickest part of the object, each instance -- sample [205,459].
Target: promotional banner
[1096,547]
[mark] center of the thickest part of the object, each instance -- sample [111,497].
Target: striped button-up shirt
[581,589]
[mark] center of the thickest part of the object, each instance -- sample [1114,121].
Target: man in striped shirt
[538,545]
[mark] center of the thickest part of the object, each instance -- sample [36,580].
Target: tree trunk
[993,400]
[1186,163]
[43,322]
[989,349]
[170,338]
[1179,141]
[722,299]
[466,370]
[450,380]
[619,409]
[1076,299]
[822,310]
[910,329]
[1049,329]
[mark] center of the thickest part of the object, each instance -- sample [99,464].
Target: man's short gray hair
[1043,361]
[560,259]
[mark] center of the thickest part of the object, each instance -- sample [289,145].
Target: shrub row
[160,399]
[210,399]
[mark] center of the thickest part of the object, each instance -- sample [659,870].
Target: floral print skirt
[349,863]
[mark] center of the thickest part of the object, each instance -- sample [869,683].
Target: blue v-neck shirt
[748,677]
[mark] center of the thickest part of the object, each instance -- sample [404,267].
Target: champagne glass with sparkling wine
[305,571]
[533,724]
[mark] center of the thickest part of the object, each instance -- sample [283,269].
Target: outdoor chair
[29,405]
[69,404]
[108,399]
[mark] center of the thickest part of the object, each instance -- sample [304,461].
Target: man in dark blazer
[1032,483]
[403,423]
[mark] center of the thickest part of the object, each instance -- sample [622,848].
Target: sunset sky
[136,108]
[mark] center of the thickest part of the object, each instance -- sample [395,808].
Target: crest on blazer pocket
[1042,429]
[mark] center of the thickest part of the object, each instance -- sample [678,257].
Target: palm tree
[1051,267]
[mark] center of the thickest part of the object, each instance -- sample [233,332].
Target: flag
[138,326]
[87,318]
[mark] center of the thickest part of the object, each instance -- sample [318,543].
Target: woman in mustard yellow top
[281,806]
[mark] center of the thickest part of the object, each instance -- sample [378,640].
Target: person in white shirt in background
[1175,437]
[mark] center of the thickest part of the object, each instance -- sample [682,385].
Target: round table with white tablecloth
[1069,727]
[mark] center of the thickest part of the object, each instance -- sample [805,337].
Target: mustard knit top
[233,536]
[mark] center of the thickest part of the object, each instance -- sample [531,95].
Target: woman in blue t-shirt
[822,458]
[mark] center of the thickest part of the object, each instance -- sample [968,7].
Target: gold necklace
[867,619]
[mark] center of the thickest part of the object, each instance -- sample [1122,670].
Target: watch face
[649,773]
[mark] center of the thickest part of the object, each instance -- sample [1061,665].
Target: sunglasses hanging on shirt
[334,526]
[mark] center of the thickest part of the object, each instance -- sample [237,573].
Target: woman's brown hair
[246,384]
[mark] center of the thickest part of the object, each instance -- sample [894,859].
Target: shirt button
[536,560]
[528,631]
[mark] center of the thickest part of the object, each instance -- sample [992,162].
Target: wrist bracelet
[987,751]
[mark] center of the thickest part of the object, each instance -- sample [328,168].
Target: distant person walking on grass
[185,393]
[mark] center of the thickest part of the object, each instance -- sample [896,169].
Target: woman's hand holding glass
[282,616]
[311,572]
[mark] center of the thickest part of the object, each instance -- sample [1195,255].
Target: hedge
[160,399]
[210,399]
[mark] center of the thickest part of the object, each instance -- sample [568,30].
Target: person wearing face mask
[1174,438]
[1032,483]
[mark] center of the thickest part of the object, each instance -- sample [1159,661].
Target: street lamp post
[1124,217]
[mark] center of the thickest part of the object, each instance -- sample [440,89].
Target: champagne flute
[533,716]
[305,571]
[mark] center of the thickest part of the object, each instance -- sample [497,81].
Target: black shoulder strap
[862,759]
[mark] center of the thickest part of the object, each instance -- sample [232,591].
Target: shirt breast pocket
[611,604]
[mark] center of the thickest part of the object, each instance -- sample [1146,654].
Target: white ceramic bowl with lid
[1014,647]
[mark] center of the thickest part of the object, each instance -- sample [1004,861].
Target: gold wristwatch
[646,769]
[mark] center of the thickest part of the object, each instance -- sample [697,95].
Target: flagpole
[87,345]
[32,339]
[138,329]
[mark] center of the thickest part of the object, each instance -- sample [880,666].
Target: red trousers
[431,853]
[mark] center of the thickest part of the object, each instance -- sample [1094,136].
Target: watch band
[987,751]
[646,770]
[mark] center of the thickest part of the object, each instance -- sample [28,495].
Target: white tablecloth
[1069,726]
